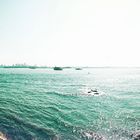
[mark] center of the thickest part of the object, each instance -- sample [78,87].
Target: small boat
[58,68]
[78,68]
[32,67]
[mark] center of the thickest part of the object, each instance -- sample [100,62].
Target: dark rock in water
[136,135]
[94,91]
[92,136]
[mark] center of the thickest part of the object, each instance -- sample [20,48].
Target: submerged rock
[2,136]
[136,135]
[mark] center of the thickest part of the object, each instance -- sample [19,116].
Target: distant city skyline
[70,32]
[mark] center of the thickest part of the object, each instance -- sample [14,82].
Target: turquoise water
[43,104]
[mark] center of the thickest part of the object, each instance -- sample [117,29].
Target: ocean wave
[16,128]
[62,95]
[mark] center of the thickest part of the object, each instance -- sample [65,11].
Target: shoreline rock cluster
[2,136]
[136,135]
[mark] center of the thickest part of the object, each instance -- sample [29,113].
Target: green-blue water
[43,104]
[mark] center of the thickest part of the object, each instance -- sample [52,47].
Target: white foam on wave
[93,136]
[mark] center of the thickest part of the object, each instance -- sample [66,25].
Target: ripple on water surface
[44,105]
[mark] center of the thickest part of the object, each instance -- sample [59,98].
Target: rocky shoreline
[90,135]
[2,136]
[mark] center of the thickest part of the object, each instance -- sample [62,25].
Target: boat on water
[32,67]
[58,68]
[78,68]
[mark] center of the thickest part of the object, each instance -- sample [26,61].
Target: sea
[44,104]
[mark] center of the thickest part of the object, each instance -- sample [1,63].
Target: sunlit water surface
[43,104]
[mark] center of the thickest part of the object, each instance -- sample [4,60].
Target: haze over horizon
[70,32]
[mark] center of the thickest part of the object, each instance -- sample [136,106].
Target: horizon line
[36,65]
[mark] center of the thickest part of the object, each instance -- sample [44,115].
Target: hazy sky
[70,32]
